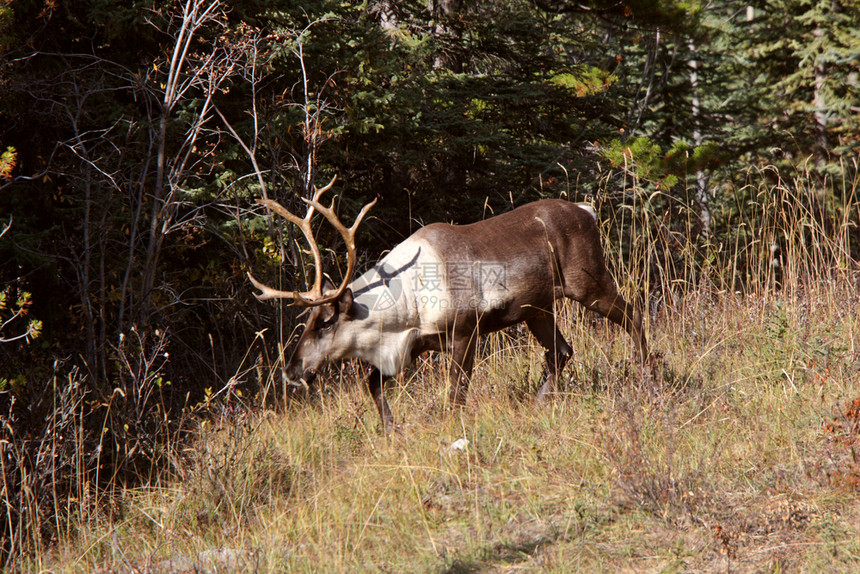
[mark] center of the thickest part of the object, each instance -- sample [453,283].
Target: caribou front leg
[462,360]
[376,386]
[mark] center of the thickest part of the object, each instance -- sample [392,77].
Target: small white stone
[459,444]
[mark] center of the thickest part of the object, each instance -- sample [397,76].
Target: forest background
[136,136]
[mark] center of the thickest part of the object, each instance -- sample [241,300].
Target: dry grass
[738,458]
[739,455]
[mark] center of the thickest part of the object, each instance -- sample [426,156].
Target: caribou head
[329,307]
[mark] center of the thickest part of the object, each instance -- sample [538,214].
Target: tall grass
[737,454]
[768,234]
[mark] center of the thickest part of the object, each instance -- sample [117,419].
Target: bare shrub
[69,447]
[842,445]
[641,448]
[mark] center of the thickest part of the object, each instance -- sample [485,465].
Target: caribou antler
[314,297]
[348,235]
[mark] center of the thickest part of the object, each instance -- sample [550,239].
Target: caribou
[445,286]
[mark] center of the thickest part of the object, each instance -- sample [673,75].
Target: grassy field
[739,456]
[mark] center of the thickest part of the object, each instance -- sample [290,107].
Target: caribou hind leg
[619,311]
[558,351]
[606,300]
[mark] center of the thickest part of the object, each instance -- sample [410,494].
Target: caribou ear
[345,303]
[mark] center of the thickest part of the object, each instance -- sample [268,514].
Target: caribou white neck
[395,304]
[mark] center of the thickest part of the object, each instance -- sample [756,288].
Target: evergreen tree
[797,77]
